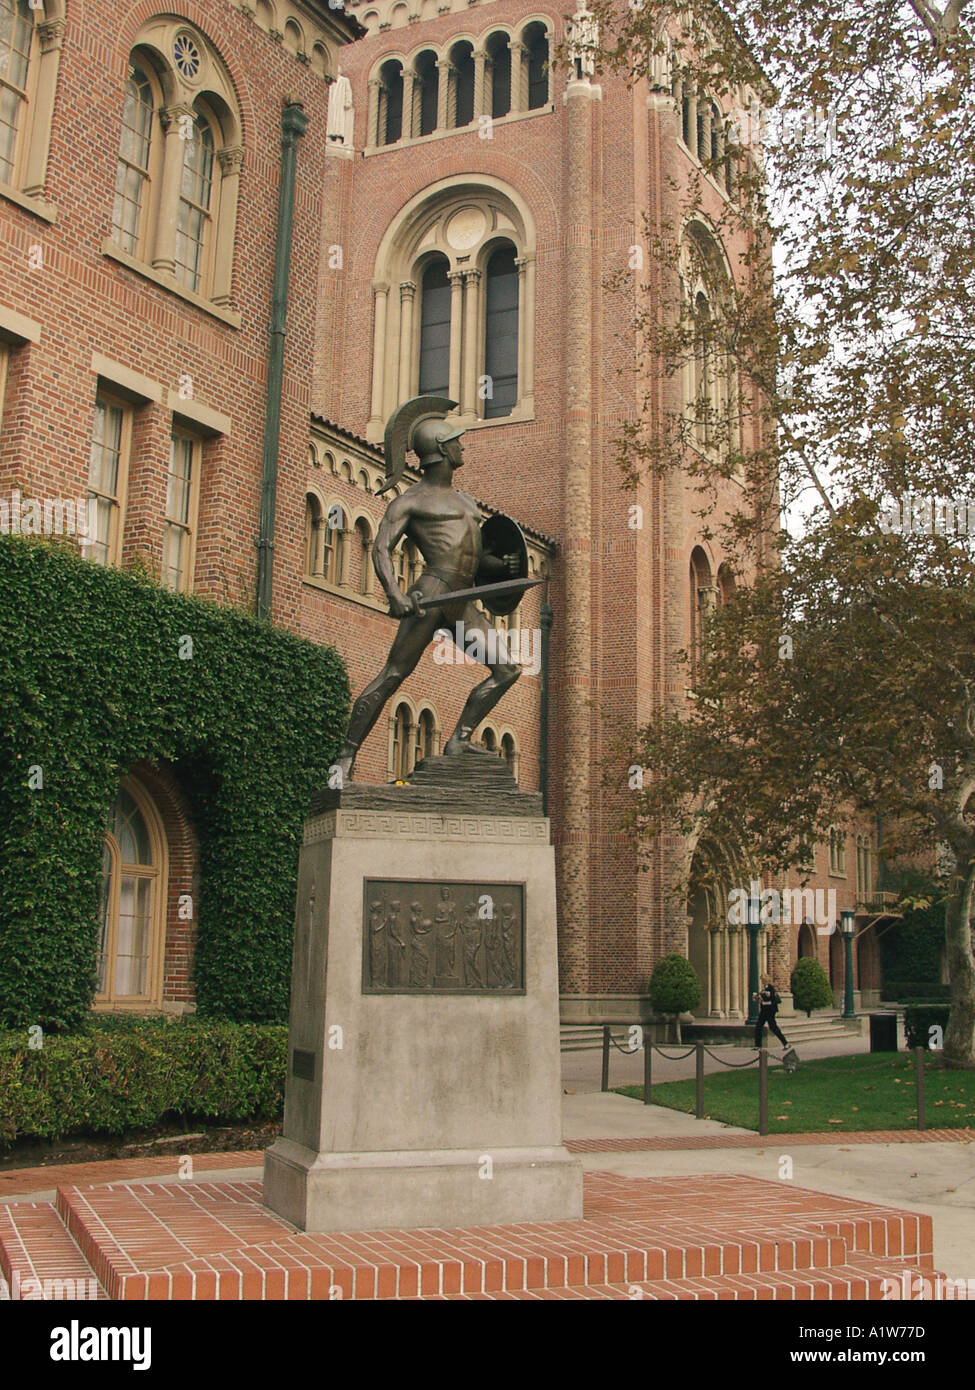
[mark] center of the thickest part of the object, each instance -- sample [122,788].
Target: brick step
[38,1257]
[216,1240]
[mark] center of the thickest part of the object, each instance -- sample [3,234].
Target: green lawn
[870,1091]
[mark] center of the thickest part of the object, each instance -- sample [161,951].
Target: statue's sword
[506,586]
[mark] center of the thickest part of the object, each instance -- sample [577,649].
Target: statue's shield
[501,536]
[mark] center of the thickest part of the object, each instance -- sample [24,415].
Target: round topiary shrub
[810,986]
[674,988]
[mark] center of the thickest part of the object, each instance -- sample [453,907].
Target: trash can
[883,1032]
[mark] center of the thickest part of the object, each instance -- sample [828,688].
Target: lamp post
[754,927]
[848,927]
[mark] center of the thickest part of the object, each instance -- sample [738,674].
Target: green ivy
[99,670]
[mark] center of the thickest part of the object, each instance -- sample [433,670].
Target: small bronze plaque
[442,938]
[303,1064]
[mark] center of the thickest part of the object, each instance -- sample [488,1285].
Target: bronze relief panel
[422,937]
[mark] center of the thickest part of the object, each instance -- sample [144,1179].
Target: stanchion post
[763,1091]
[922,1119]
[605,1081]
[647,1065]
[699,1098]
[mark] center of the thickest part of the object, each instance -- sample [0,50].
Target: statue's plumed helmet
[429,435]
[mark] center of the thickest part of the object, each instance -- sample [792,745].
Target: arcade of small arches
[433,91]
[708,591]
[415,733]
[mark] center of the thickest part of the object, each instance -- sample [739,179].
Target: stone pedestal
[424,1083]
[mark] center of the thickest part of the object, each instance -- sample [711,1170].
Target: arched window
[426,735]
[710,389]
[435,329]
[837,851]
[426,93]
[363,480]
[704,375]
[133,174]
[180,221]
[133,897]
[364,539]
[462,61]
[489,740]
[864,868]
[454,304]
[16,42]
[726,584]
[401,761]
[535,39]
[501,332]
[314,535]
[510,754]
[702,605]
[194,215]
[333,554]
[499,58]
[391,103]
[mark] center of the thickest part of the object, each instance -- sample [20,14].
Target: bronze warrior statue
[459,555]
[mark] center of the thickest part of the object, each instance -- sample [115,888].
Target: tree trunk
[959,1044]
[677,1027]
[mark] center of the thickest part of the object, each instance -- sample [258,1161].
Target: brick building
[460,202]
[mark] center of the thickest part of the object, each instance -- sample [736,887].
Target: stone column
[519,77]
[468,386]
[480,87]
[456,278]
[734,944]
[381,296]
[50,36]
[444,84]
[174,123]
[576,690]
[230,161]
[372,129]
[713,968]
[407,294]
[409,88]
[526,332]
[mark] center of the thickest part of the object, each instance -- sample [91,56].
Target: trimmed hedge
[909,991]
[108,1078]
[920,1018]
[101,669]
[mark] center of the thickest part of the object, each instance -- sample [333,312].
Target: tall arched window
[180,109]
[133,896]
[426,735]
[364,538]
[462,59]
[435,329]
[704,376]
[16,42]
[501,332]
[314,533]
[864,868]
[702,605]
[194,211]
[499,57]
[535,40]
[489,740]
[132,172]
[391,108]
[710,383]
[510,754]
[427,92]
[401,763]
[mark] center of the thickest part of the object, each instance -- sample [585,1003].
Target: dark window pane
[501,87]
[435,330]
[538,73]
[429,93]
[394,106]
[465,89]
[501,345]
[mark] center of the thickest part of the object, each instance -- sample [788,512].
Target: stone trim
[383,825]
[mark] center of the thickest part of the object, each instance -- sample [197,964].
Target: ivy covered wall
[101,669]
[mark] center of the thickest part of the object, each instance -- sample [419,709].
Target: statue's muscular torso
[442,522]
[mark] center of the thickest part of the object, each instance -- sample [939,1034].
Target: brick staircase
[709,1237]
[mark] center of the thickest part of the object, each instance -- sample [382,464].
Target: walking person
[768,1004]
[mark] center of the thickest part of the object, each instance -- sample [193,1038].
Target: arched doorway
[807,941]
[717,946]
[133,903]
